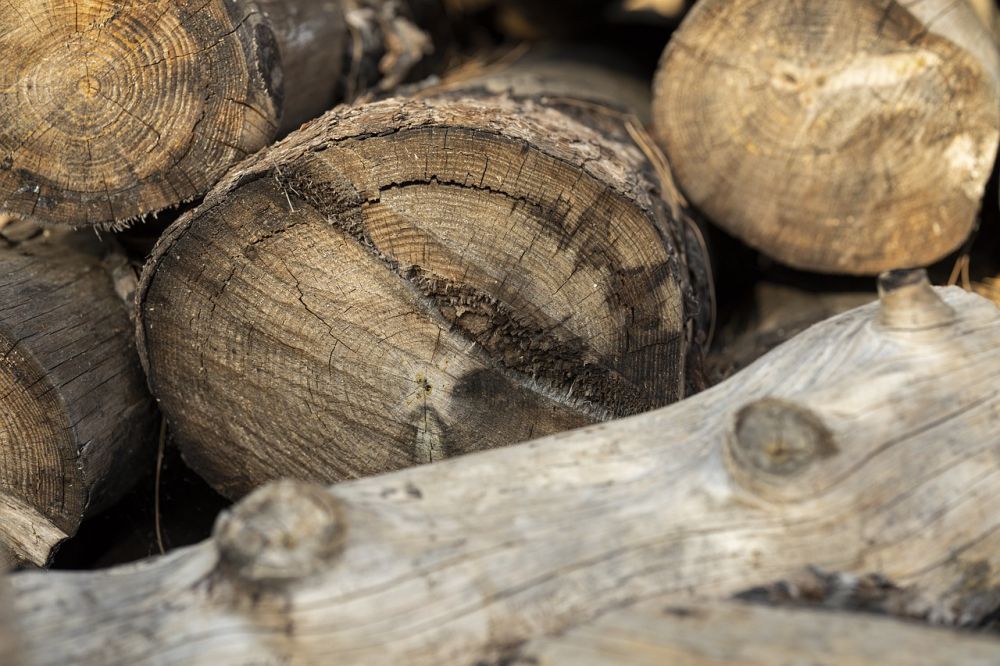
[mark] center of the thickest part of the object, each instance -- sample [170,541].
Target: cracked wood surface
[734,634]
[415,279]
[864,445]
[76,418]
[113,110]
[853,137]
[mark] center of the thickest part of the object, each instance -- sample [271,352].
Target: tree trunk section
[114,110]
[866,444]
[416,279]
[734,634]
[76,419]
[851,137]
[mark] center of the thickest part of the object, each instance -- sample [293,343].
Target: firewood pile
[499,332]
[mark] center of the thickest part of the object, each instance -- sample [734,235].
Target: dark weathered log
[848,137]
[76,418]
[736,634]
[865,445]
[112,110]
[416,279]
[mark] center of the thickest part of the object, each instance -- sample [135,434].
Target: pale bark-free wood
[76,418]
[881,457]
[415,279]
[846,137]
[112,110]
[733,634]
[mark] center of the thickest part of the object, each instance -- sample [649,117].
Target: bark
[736,634]
[416,279]
[113,110]
[76,418]
[864,445]
[853,137]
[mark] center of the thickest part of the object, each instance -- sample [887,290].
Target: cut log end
[115,110]
[427,279]
[850,139]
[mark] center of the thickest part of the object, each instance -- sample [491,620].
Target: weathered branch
[741,634]
[866,444]
[76,418]
[852,137]
[415,279]
[113,110]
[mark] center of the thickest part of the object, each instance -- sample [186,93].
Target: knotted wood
[844,137]
[113,110]
[416,279]
[76,418]
[865,445]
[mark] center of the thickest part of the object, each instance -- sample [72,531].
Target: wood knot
[285,531]
[778,438]
[909,303]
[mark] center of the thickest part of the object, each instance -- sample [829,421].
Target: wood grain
[849,137]
[114,110]
[415,279]
[887,465]
[76,418]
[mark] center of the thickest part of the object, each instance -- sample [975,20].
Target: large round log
[845,137]
[411,280]
[865,445]
[112,110]
[76,419]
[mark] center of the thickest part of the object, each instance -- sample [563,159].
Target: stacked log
[116,110]
[76,419]
[414,279]
[851,137]
[865,444]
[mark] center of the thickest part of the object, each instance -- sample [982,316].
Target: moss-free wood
[416,279]
[112,110]
[76,419]
[844,137]
[734,634]
[865,445]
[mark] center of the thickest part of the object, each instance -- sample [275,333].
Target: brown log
[733,634]
[865,445]
[113,110]
[416,279]
[849,137]
[76,419]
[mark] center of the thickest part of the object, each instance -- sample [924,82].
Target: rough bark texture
[75,414]
[847,137]
[112,110]
[411,280]
[733,634]
[867,444]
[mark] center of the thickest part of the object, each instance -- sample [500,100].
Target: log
[773,313]
[114,110]
[853,137]
[721,634]
[866,444]
[76,418]
[416,279]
